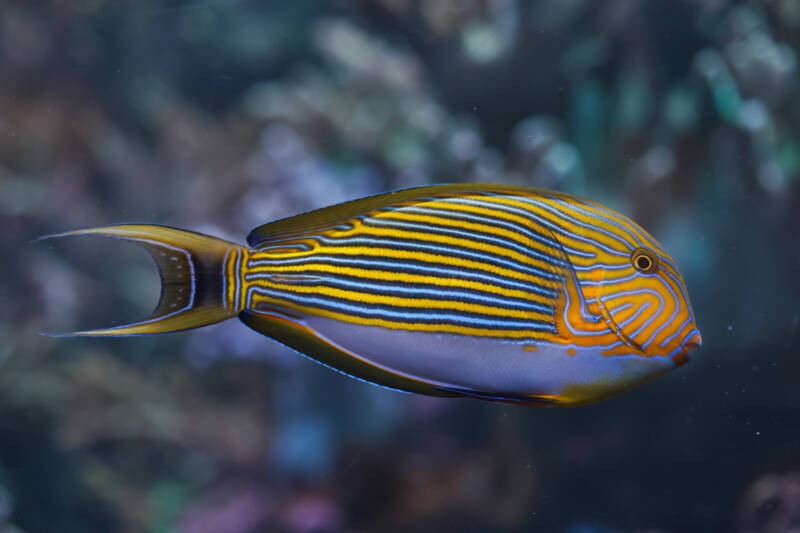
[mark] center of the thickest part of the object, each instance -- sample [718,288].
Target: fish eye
[644,260]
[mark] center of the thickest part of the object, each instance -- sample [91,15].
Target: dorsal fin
[335,214]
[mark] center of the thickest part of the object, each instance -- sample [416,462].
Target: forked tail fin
[200,278]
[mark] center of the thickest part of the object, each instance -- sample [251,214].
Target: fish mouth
[694,341]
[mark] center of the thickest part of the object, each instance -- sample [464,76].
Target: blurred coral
[772,505]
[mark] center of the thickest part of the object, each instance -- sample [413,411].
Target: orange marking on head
[530,348]
[595,333]
[622,349]
[570,351]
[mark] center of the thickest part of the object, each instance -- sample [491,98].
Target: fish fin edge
[521,399]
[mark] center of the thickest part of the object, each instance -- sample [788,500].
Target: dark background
[221,115]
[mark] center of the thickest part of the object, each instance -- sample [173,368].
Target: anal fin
[521,399]
[292,333]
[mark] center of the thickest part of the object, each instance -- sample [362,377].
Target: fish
[497,292]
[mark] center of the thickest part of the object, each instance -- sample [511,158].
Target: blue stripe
[650,242]
[419,292]
[453,214]
[545,222]
[668,321]
[687,321]
[469,236]
[566,218]
[445,250]
[426,269]
[388,313]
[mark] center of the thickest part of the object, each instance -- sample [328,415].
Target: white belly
[489,365]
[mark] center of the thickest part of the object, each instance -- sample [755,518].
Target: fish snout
[695,341]
[692,343]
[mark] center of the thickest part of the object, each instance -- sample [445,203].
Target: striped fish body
[496,292]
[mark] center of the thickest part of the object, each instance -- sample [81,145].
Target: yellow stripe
[637,301]
[230,279]
[440,328]
[567,226]
[570,209]
[477,228]
[680,316]
[601,211]
[434,258]
[289,248]
[430,258]
[400,277]
[573,244]
[241,281]
[397,301]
